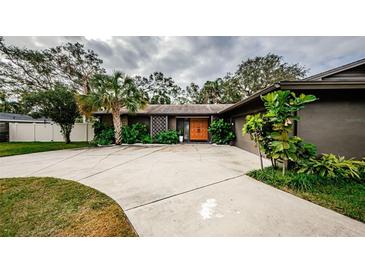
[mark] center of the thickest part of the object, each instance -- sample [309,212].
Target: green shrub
[105,137]
[103,134]
[297,181]
[306,150]
[134,133]
[331,166]
[221,131]
[167,137]
[147,139]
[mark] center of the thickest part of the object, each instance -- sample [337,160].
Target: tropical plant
[111,93]
[330,165]
[134,133]
[221,131]
[254,126]
[282,108]
[103,134]
[167,137]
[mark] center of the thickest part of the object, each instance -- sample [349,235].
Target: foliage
[59,104]
[210,93]
[167,137]
[219,91]
[105,136]
[306,150]
[159,89]
[272,130]
[54,207]
[25,70]
[252,75]
[329,165]
[12,105]
[147,139]
[112,92]
[254,126]
[134,133]
[17,148]
[255,74]
[221,131]
[282,108]
[343,195]
[192,93]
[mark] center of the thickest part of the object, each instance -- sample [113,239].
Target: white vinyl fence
[34,132]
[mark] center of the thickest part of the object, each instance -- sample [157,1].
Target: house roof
[13,117]
[319,76]
[186,109]
[314,82]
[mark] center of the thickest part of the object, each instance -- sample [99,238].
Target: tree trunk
[261,163]
[66,132]
[258,149]
[117,125]
[285,166]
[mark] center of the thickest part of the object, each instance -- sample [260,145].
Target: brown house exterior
[335,123]
[192,120]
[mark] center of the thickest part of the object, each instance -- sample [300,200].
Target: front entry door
[199,129]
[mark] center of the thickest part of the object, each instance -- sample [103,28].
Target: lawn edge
[294,194]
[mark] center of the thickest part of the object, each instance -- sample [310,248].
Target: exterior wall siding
[238,117]
[243,142]
[172,122]
[139,119]
[336,123]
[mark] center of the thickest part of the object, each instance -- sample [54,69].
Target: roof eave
[256,95]
[300,85]
[321,75]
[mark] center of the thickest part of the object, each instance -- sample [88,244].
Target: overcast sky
[198,59]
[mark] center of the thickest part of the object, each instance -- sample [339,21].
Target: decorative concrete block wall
[158,123]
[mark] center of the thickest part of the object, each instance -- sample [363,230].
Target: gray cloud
[198,59]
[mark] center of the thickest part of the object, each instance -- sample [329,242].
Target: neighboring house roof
[320,81]
[186,109]
[13,117]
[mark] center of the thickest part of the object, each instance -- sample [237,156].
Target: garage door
[199,129]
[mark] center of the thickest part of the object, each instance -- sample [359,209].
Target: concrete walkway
[187,190]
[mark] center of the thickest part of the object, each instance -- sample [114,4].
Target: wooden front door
[198,129]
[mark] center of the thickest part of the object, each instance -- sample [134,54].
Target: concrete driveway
[187,190]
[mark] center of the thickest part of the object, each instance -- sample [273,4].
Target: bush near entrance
[221,131]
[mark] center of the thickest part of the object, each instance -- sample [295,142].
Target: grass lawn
[345,197]
[54,207]
[8,149]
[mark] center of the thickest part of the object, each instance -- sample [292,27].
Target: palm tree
[111,93]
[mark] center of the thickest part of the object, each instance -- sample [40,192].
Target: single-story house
[6,118]
[192,120]
[335,123]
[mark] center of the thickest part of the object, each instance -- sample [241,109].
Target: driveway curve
[187,190]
